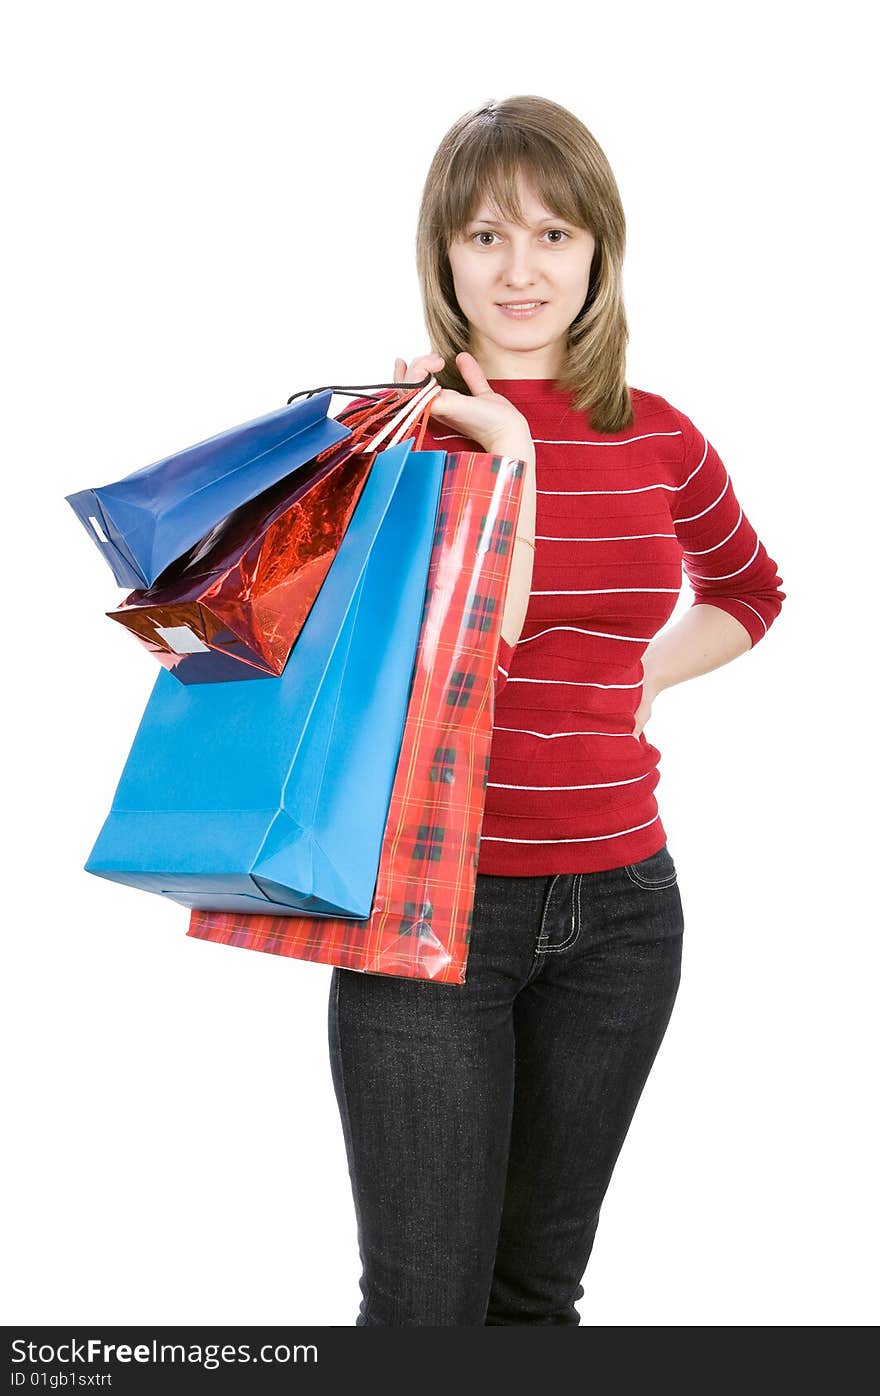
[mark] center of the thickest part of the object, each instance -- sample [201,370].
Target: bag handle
[356,389]
[396,415]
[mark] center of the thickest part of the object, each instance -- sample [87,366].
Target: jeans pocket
[657,870]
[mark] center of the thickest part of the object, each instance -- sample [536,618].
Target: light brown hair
[481,155]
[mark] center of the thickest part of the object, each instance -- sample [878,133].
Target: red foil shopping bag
[419,926]
[232,607]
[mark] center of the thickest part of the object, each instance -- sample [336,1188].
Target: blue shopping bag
[147,520]
[251,796]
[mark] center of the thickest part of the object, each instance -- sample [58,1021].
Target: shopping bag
[233,605]
[419,924]
[276,793]
[145,521]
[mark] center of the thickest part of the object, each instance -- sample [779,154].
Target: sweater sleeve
[725,562]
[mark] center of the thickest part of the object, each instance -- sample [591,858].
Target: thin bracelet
[518,538]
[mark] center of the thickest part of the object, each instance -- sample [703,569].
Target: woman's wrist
[652,681]
[520,447]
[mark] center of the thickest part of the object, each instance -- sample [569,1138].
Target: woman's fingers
[472,374]
[425,363]
[416,371]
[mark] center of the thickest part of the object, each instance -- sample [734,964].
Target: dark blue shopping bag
[149,519]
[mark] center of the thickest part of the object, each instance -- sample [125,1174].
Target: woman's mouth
[521,310]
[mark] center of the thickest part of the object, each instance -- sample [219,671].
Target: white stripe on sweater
[578,630]
[690,518]
[748,608]
[607,591]
[607,538]
[594,838]
[527,732]
[724,576]
[577,683]
[701,552]
[599,785]
[638,489]
[568,441]
[698,467]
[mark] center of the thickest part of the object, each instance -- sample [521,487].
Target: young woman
[482,1121]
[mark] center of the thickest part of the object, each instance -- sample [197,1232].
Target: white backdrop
[182,253]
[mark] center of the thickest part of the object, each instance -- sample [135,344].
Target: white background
[211,206]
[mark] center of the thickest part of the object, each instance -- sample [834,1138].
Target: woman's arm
[737,589]
[519,583]
[520,580]
[705,638]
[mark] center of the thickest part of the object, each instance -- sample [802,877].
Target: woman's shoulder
[651,405]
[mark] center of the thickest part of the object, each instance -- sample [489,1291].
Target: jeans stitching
[632,871]
[575,924]
[641,882]
[547,902]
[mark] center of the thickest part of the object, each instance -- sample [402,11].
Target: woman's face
[494,263]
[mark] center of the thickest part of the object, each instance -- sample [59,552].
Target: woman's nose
[519,268]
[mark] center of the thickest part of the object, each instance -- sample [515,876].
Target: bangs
[485,169]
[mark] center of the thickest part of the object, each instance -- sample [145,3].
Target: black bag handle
[356,389]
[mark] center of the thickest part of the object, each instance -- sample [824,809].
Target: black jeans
[482,1121]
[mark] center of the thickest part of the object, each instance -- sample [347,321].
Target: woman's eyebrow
[552,218]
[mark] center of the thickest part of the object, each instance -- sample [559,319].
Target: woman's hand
[643,712]
[650,689]
[486,417]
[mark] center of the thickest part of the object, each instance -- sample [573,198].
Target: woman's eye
[484,233]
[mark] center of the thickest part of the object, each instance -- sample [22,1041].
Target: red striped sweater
[569,788]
